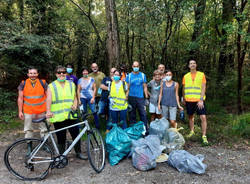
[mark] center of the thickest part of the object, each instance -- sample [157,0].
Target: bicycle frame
[50,135]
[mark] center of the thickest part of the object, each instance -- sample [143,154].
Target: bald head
[94,67]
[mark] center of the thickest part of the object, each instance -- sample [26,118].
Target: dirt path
[224,166]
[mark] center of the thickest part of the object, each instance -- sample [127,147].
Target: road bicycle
[42,157]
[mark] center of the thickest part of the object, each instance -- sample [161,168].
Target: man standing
[32,102]
[98,76]
[194,87]
[104,102]
[70,76]
[137,84]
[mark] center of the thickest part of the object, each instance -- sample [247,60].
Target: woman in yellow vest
[194,87]
[118,101]
[61,100]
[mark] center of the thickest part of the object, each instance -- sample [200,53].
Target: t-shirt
[72,78]
[136,84]
[21,85]
[155,91]
[87,91]
[193,75]
[105,93]
[98,79]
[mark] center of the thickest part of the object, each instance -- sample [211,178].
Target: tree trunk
[199,16]
[113,41]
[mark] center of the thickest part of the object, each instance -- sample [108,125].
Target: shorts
[192,108]
[171,111]
[154,109]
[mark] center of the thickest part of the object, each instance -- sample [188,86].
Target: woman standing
[61,100]
[86,91]
[169,98]
[118,100]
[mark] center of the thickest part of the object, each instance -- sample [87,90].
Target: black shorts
[192,107]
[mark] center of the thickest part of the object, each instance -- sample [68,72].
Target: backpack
[41,81]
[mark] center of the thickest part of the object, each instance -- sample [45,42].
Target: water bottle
[99,91]
[182,115]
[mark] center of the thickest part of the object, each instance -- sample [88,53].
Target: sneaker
[204,140]
[191,133]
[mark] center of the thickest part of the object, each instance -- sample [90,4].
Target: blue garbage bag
[136,131]
[118,144]
[158,127]
[145,151]
[183,161]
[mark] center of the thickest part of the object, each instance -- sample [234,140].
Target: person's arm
[74,106]
[145,90]
[94,89]
[149,86]
[200,104]
[102,86]
[160,97]
[127,92]
[177,96]
[78,93]
[20,104]
[48,104]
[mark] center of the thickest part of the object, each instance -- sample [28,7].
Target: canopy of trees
[45,33]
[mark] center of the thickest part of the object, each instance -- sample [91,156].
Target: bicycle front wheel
[96,150]
[17,155]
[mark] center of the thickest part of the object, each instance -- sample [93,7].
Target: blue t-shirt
[87,91]
[105,93]
[136,84]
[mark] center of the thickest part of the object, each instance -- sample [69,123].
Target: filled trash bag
[145,152]
[136,131]
[173,140]
[118,144]
[159,127]
[183,161]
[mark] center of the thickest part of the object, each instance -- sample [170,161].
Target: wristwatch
[201,98]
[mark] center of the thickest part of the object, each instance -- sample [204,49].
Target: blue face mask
[136,69]
[116,78]
[69,70]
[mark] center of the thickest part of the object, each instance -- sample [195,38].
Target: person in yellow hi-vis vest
[118,101]
[61,99]
[194,87]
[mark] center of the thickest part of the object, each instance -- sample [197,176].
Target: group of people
[114,94]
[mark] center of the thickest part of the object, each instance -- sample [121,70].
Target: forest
[46,33]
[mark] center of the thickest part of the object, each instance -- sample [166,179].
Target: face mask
[95,70]
[69,70]
[60,80]
[85,76]
[136,69]
[168,78]
[116,78]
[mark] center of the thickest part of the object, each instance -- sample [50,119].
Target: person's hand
[79,102]
[159,107]
[181,108]
[184,102]
[92,100]
[49,114]
[21,116]
[74,107]
[200,104]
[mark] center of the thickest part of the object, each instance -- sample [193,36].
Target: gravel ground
[224,166]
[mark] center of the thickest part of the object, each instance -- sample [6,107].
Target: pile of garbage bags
[146,151]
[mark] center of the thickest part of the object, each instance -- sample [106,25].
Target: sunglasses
[61,72]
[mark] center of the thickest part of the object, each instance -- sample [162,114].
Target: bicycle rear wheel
[17,155]
[96,150]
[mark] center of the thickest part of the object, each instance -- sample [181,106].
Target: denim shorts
[154,109]
[169,112]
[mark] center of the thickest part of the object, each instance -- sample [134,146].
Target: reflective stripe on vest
[33,97]
[119,99]
[193,88]
[62,100]
[34,104]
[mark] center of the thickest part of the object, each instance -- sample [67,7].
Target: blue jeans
[123,117]
[139,104]
[92,108]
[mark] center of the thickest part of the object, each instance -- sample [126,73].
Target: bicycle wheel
[96,150]
[17,155]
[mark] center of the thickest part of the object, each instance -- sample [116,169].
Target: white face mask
[168,78]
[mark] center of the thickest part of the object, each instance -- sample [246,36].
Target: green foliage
[241,126]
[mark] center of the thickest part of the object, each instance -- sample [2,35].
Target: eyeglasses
[61,72]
